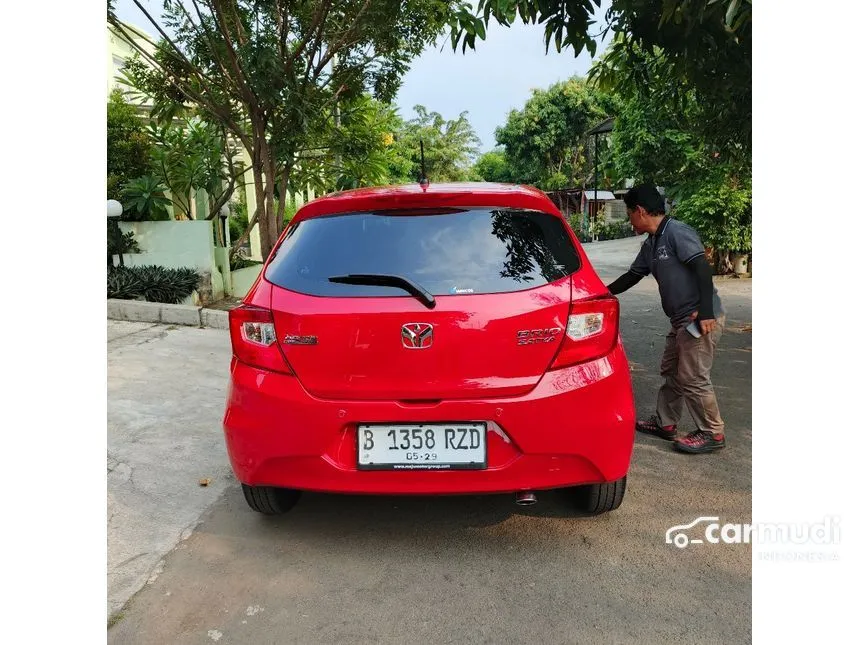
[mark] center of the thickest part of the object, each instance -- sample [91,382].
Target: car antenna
[422,179]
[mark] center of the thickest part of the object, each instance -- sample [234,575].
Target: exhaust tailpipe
[525,498]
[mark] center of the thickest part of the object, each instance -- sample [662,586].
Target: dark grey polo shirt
[665,254]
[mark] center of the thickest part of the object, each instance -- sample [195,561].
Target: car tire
[595,499]
[269,500]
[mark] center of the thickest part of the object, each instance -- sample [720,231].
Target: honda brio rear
[450,339]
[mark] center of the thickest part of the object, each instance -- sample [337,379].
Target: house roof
[602,127]
[602,195]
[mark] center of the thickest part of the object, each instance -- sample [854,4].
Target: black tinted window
[470,251]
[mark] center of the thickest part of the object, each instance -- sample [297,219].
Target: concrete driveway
[428,570]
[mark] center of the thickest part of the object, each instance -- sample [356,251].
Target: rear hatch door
[496,287]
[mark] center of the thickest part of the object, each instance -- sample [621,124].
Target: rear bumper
[575,427]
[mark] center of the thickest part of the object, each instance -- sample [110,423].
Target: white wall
[243,280]
[615,210]
[176,245]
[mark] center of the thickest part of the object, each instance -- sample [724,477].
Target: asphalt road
[436,570]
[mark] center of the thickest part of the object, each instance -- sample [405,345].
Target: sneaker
[700,442]
[652,426]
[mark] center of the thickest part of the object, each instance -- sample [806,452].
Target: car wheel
[595,499]
[270,500]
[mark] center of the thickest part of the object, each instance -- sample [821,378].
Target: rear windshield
[461,252]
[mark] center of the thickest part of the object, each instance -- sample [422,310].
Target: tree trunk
[269,229]
[722,262]
[192,203]
[260,214]
[283,182]
[271,217]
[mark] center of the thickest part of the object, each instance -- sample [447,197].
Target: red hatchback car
[442,339]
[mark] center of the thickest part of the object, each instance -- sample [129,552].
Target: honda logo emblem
[417,335]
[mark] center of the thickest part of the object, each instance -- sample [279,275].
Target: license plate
[434,446]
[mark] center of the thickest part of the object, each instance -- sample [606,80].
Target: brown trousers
[686,367]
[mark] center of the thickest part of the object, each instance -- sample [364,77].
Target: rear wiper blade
[385,280]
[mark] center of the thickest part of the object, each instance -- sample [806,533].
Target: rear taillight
[592,331]
[252,332]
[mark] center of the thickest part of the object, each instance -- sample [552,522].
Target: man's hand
[707,325]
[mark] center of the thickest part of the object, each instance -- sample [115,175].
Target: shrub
[123,283]
[153,283]
[613,230]
[144,199]
[238,226]
[239,261]
[719,207]
[575,221]
[119,243]
[290,210]
[603,230]
[128,145]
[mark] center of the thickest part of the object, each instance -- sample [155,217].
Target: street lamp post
[114,212]
[604,127]
[224,213]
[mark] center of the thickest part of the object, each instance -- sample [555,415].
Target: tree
[272,72]
[128,145]
[718,204]
[705,45]
[493,167]
[450,147]
[662,142]
[189,155]
[358,150]
[545,142]
[652,142]
[144,199]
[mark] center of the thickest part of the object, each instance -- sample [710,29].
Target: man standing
[674,255]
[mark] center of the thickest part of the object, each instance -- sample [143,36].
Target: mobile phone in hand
[693,329]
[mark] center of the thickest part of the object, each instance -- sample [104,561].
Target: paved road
[429,570]
[166,390]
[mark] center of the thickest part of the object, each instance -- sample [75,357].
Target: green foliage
[719,207]
[699,48]
[566,22]
[238,220]
[653,142]
[129,244]
[188,155]
[363,144]
[581,233]
[144,199]
[272,74]
[493,167]
[662,135]
[128,145]
[124,283]
[290,210]
[238,225]
[545,142]
[152,283]
[353,150]
[604,230]
[239,261]
[705,46]
[120,243]
[450,148]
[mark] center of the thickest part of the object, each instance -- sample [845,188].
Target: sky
[487,83]
[492,80]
